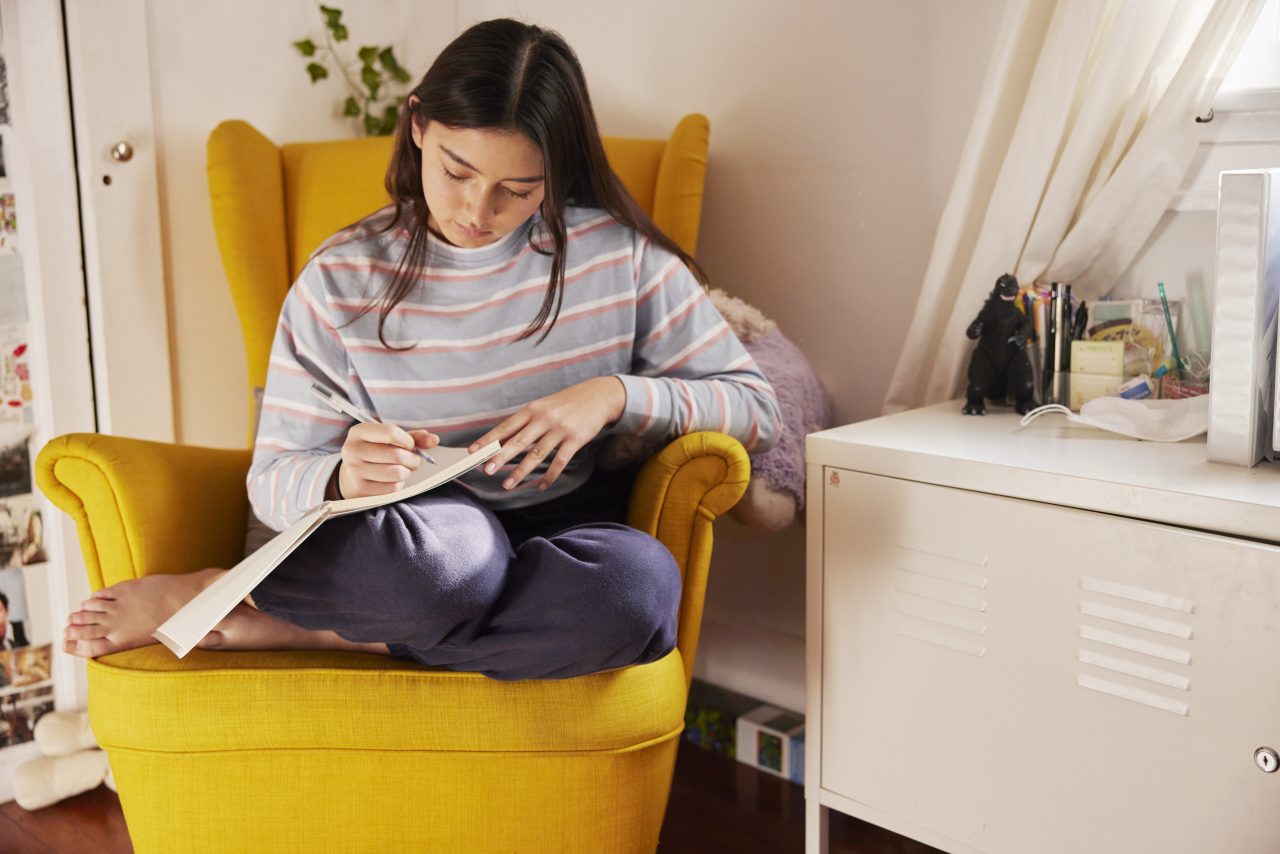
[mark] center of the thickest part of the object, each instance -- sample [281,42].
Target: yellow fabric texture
[312,751]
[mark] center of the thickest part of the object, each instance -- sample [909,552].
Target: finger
[365,486]
[382,455]
[393,474]
[384,434]
[424,438]
[513,447]
[533,457]
[504,430]
[563,455]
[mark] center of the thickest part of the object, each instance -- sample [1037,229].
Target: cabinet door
[1025,677]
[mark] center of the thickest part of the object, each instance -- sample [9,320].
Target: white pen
[338,403]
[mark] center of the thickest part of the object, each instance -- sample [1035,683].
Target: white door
[39,169]
[111,100]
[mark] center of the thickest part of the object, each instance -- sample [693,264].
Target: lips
[469,231]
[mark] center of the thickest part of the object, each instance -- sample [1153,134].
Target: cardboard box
[772,740]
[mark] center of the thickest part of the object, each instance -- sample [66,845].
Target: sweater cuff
[641,409]
[318,483]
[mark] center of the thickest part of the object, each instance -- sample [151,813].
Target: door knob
[122,151]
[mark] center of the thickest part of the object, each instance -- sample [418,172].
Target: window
[1245,129]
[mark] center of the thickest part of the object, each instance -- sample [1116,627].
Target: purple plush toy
[776,492]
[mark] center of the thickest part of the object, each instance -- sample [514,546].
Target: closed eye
[510,192]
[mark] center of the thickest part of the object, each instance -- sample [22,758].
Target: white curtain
[1082,134]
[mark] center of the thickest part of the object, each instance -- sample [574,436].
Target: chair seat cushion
[145,699]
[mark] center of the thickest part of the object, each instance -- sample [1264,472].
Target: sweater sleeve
[299,439]
[689,371]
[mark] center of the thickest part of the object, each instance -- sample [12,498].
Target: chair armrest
[147,507]
[676,497]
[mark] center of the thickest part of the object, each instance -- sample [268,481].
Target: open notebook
[193,621]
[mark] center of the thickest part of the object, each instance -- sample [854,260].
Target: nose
[477,208]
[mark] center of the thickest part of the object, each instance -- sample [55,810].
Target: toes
[86,648]
[77,633]
[96,647]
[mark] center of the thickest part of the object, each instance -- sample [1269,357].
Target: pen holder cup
[1172,388]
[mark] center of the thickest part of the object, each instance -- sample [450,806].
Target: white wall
[835,129]
[234,60]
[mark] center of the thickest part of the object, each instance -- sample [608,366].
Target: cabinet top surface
[1055,461]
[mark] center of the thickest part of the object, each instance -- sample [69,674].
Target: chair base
[379,801]
[314,751]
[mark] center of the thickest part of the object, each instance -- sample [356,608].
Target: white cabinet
[1037,639]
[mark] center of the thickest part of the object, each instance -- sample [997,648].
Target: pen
[338,403]
[1168,321]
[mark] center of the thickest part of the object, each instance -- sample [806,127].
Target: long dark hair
[506,75]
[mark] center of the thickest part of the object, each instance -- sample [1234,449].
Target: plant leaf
[372,81]
[371,124]
[388,59]
[317,71]
[306,47]
[368,54]
[340,33]
[389,117]
[351,108]
[332,16]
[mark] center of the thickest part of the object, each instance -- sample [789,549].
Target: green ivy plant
[372,100]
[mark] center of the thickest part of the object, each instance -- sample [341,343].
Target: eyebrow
[532,180]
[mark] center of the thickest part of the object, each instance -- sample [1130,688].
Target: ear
[417,129]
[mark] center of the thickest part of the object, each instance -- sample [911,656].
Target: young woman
[511,292]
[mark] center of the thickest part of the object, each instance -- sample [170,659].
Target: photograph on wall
[16,396]
[22,535]
[14,621]
[13,291]
[15,465]
[8,223]
[4,92]
[28,691]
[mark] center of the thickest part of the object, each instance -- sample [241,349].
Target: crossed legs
[435,580]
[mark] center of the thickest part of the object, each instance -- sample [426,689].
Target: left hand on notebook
[558,424]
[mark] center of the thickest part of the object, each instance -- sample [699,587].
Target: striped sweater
[631,309]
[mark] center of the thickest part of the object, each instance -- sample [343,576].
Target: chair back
[273,205]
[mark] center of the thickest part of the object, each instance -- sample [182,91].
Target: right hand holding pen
[378,458]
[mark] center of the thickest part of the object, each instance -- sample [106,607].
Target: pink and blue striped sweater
[631,310]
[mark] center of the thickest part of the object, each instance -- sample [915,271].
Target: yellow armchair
[315,751]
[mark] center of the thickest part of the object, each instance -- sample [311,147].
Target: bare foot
[124,616]
[248,628]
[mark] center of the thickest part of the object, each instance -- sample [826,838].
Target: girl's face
[480,185]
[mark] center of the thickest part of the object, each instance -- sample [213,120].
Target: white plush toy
[72,762]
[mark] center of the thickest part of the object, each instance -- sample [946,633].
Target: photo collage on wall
[26,652]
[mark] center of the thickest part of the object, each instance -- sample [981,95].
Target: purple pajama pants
[551,591]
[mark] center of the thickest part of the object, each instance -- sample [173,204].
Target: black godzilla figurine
[1000,366]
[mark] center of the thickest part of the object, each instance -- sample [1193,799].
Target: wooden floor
[717,805]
